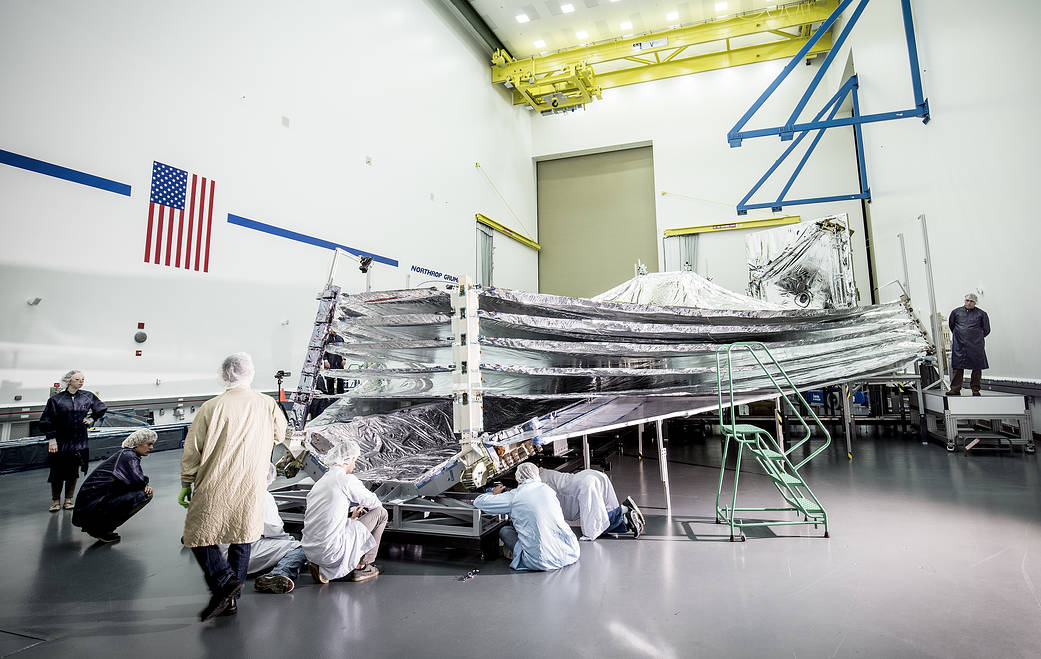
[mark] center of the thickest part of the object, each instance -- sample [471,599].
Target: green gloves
[185,496]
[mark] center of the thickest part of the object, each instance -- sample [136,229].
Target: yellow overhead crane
[568,79]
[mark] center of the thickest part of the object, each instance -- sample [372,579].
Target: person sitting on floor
[276,550]
[589,497]
[343,522]
[539,538]
[116,490]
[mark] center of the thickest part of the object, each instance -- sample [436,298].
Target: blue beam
[798,202]
[912,56]
[304,238]
[858,135]
[64,173]
[809,152]
[835,123]
[734,136]
[835,101]
[801,105]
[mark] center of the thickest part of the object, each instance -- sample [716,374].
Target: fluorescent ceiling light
[613,1]
[523,18]
[582,34]
[672,16]
[721,6]
[568,8]
[626,25]
[540,44]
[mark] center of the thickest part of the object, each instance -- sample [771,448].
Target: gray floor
[931,555]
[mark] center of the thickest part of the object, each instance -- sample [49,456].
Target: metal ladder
[766,450]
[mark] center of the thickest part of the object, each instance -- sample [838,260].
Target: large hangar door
[596,218]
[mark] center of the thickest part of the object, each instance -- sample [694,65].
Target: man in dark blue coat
[969,326]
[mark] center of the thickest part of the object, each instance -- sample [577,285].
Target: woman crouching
[116,490]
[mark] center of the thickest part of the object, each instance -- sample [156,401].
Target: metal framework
[568,79]
[787,131]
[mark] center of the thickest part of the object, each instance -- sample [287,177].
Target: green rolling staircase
[764,448]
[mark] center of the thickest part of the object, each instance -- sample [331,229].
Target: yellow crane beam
[573,77]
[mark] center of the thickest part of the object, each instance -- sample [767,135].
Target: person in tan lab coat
[224,470]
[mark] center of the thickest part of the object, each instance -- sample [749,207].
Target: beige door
[596,218]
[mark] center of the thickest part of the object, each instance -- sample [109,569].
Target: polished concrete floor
[930,555]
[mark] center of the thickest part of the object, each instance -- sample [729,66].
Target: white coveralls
[273,544]
[331,539]
[544,540]
[587,496]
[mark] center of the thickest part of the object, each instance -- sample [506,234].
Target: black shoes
[222,600]
[232,609]
[633,517]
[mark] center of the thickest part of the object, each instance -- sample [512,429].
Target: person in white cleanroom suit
[343,522]
[276,550]
[589,497]
[539,538]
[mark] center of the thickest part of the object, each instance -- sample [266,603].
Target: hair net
[342,453]
[139,437]
[237,370]
[65,379]
[527,472]
[971,296]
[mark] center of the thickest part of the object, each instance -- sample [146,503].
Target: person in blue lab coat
[539,538]
[116,490]
[64,421]
[969,325]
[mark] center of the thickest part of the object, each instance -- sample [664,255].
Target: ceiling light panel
[721,6]
[522,18]
[540,44]
[672,16]
[567,8]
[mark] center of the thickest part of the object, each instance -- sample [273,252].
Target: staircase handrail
[750,347]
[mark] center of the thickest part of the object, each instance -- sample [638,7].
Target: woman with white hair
[116,490]
[539,538]
[224,470]
[343,521]
[64,421]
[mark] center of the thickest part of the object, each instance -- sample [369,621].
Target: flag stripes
[188,249]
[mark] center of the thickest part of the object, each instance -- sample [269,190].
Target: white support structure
[663,464]
[468,408]
[468,402]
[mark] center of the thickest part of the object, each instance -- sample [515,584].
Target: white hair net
[139,437]
[342,453]
[65,379]
[527,472]
[237,370]
[971,296]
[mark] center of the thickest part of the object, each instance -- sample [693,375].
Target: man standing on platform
[969,325]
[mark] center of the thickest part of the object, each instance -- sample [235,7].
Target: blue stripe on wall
[57,171]
[299,237]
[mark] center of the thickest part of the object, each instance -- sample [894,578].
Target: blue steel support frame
[856,120]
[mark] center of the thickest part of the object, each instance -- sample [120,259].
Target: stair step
[787,479]
[766,454]
[807,505]
[743,429]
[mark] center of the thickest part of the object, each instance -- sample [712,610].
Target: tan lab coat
[226,456]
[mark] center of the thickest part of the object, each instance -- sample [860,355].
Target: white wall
[972,170]
[108,88]
[686,120]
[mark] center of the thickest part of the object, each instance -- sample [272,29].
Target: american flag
[189,246]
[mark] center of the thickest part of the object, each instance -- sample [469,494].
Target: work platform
[976,422]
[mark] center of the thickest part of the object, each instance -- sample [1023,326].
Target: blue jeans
[617,521]
[508,535]
[291,564]
[219,571]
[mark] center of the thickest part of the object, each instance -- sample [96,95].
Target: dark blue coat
[111,492]
[62,418]
[968,327]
